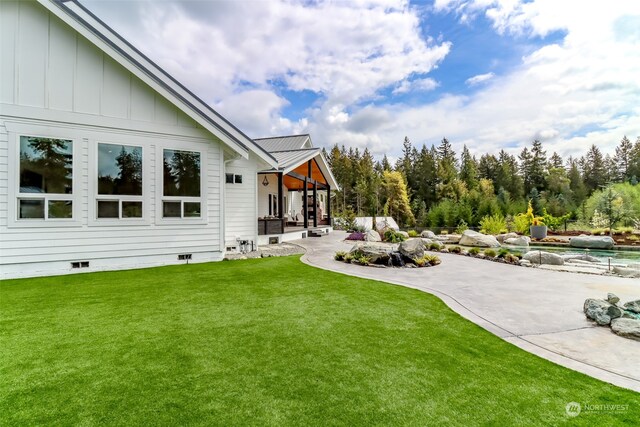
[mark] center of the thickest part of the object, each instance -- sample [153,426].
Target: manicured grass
[267,342]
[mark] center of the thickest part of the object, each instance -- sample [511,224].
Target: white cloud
[417,85]
[480,78]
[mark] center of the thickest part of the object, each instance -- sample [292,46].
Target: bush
[392,236]
[462,227]
[512,259]
[356,236]
[348,258]
[427,260]
[494,224]
[360,259]
[413,233]
[456,249]
[489,253]
[340,255]
[434,246]
[502,253]
[474,251]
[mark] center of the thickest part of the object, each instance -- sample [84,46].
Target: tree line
[444,188]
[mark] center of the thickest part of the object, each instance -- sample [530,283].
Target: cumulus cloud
[479,78]
[244,57]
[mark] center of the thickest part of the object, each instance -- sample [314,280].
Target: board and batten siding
[54,80]
[241,218]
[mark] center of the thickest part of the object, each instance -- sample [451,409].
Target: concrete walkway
[537,310]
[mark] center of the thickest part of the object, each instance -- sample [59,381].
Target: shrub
[489,253]
[554,222]
[434,246]
[361,259]
[474,251]
[412,233]
[356,236]
[517,254]
[432,259]
[524,220]
[456,249]
[502,253]
[462,227]
[493,224]
[512,259]
[393,237]
[348,258]
[340,255]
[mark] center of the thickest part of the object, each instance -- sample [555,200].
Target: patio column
[329,203]
[305,208]
[315,203]
[280,198]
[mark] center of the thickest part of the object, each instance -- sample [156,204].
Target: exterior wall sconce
[265,181]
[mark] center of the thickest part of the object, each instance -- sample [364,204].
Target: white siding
[241,219]
[68,84]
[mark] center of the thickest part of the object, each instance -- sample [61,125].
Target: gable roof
[106,39]
[284,143]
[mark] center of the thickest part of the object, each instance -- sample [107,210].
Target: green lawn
[267,342]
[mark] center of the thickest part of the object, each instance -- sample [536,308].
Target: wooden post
[329,203]
[280,198]
[315,203]
[305,208]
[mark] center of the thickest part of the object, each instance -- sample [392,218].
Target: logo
[572,409]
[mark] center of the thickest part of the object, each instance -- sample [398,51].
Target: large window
[181,184]
[119,181]
[46,178]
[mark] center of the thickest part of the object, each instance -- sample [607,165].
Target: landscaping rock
[453,239]
[473,238]
[404,233]
[377,253]
[428,234]
[540,257]
[372,236]
[592,242]
[626,272]
[412,248]
[581,257]
[635,265]
[428,242]
[517,241]
[525,263]
[601,311]
[628,328]
[612,298]
[633,306]
[502,237]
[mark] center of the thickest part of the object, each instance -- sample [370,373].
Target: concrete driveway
[537,310]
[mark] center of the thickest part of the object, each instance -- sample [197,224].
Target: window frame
[95,196]
[14,132]
[161,198]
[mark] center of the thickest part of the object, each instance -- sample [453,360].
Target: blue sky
[488,74]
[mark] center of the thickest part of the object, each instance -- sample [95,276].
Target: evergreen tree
[624,159]
[525,169]
[538,168]
[468,168]
[593,169]
[397,205]
[555,161]
[536,204]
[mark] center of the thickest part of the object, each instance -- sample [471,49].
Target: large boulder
[453,239]
[473,238]
[628,328]
[626,272]
[592,242]
[502,237]
[581,257]
[412,248]
[428,234]
[517,241]
[633,306]
[601,311]
[540,257]
[378,253]
[404,234]
[372,236]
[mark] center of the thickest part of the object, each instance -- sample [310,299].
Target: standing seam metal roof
[282,143]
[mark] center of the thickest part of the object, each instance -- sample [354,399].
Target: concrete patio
[537,310]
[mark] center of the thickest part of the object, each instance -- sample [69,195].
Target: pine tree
[555,161]
[468,168]
[623,159]
[536,204]
[538,168]
[593,169]
[525,169]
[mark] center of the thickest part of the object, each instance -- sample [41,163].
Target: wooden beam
[305,208]
[329,204]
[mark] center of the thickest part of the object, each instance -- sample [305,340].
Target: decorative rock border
[624,320]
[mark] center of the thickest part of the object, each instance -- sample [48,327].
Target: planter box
[538,231]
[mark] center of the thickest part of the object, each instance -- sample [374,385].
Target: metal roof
[114,45]
[284,143]
[288,160]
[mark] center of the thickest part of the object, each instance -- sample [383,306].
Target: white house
[107,162]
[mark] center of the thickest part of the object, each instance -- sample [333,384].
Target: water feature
[617,257]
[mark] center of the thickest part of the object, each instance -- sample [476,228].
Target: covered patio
[296,197]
